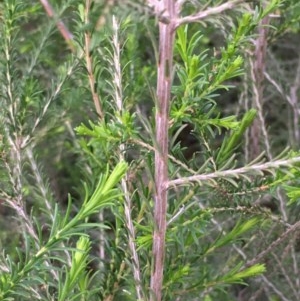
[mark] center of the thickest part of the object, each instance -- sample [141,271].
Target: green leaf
[231,142]
[293,192]
[236,276]
[239,229]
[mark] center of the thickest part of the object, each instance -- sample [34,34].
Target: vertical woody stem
[258,69]
[164,81]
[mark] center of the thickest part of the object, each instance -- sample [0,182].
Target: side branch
[273,245]
[204,14]
[234,172]
[89,63]
[60,24]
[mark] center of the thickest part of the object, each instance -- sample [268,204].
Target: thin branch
[156,5]
[295,268]
[273,245]
[278,87]
[257,70]
[180,3]
[204,14]
[25,140]
[257,63]
[234,172]
[274,288]
[295,104]
[285,274]
[292,99]
[42,187]
[105,12]
[60,24]
[172,158]
[89,62]
[117,80]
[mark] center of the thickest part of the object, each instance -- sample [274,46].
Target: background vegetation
[146,155]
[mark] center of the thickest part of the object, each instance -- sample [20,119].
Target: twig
[25,140]
[102,19]
[233,172]
[285,274]
[44,192]
[257,63]
[274,288]
[60,24]
[172,158]
[124,182]
[204,14]
[271,247]
[89,63]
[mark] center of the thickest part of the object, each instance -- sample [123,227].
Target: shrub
[114,190]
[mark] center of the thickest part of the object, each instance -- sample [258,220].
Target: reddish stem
[164,82]
[60,24]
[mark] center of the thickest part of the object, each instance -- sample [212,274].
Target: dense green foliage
[78,138]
